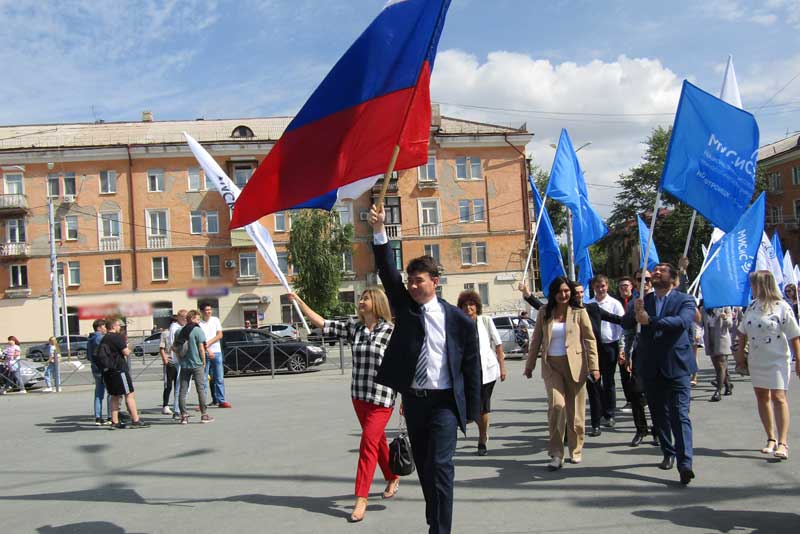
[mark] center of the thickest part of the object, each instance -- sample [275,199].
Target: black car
[247,351]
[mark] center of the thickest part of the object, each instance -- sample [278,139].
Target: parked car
[150,345]
[247,351]
[281,330]
[77,347]
[32,374]
[506,325]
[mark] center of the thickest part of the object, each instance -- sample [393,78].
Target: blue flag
[644,234]
[568,187]
[583,263]
[712,157]
[778,248]
[551,264]
[726,280]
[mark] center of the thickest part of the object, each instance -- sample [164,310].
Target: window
[109,224]
[113,271]
[196,222]
[53,186]
[157,222]
[433,252]
[15,231]
[247,265]
[287,311]
[283,262]
[194,179]
[19,275]
[162,314]
[397,254]
[464,211]
[391,206]
[466,254]
[473,253]
[242,173]
[160,268]
[108,182]
[280,221]
[57,230]
[480,252]
[72,227]
[483,291]
[213,266]
[13,184]
[155,180]
[774,181]
[468,168]
[478,210]
[427,173]
[242,131]
[429,217]
[74,273]
[470,286]
[796,176]
[775,214]
[347,261]
[345,213]
[69,184]
[198,267]
[212,222]
[797,210]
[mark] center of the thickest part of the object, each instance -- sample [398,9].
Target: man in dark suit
[432,359]
[666,363]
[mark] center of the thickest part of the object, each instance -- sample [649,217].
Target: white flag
[767,260]
[730,88]
[789,273]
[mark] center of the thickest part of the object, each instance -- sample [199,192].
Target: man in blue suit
[666,363]
[432,359]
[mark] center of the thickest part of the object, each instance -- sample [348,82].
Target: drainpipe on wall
[132,216]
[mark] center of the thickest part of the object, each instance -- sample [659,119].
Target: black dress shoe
[686,476]
[728,389]
[668,463]
[716,397]
[637,439]
[482,450]
[593,432]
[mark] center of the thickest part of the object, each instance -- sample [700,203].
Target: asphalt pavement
[283,460]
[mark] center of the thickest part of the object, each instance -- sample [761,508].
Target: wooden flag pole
[387,177]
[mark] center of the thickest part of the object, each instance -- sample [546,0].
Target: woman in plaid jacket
[373,402]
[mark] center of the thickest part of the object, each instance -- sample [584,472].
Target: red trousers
[373,448]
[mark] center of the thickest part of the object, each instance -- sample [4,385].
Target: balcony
[13,204]
[428,184]
[157,241]
[13,250]
[18,292]
[239,238]
[394,231]
[391,188]
[110,244]
[430,230]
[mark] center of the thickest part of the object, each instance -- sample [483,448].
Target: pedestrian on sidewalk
[170,362]
[214,364]
[112,355]
[717,324]
[12,354]
[493,365]
[373,403]
[53,350]
[193,365]
[565,341]
[771,330]
[98,331]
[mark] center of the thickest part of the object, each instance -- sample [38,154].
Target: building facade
[136,226]
[779,162]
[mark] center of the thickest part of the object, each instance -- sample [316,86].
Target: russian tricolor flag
[376,97]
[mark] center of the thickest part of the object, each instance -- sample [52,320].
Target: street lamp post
[53,274]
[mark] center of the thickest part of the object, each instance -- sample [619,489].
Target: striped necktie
[421,371]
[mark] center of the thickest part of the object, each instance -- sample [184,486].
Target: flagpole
[570,252]
[689,235]
[388,175]
[696,283]
[649,242]
[533,241]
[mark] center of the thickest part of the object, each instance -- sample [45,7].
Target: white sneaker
[555,463]
[47,390]
[166,410]
[23,391]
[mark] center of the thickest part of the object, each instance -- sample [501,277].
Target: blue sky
[81,60]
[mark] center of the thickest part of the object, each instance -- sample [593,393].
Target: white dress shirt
[210,329]
[610,332]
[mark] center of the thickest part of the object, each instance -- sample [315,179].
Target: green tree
[316,244]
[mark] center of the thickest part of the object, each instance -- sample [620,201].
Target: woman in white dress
[770,329]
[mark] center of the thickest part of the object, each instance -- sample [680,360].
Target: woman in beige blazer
[564,339]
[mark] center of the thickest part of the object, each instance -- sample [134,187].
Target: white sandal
[784,454]
[769,449]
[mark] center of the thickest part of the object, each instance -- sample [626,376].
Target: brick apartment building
[136,225]
[780,163]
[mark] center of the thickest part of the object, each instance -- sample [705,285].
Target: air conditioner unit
[266,299]
[363,215]
[230,264]
[68,199]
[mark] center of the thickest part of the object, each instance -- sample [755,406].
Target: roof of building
[161,132]
[779,147]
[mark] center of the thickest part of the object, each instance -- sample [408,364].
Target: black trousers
[433,427]
[608,353]
[170,378]
[595,393]
[625,378]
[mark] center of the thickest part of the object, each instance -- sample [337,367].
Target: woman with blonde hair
[373,403]
[770,330]
[564,339]
[50,370]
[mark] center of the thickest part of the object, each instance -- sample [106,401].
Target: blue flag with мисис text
[551,264]
[644,238]
[712,157]
[726,280]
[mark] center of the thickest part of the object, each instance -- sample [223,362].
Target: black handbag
[401,460]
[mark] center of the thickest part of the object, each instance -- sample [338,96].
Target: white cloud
[615,105]
[763,13]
